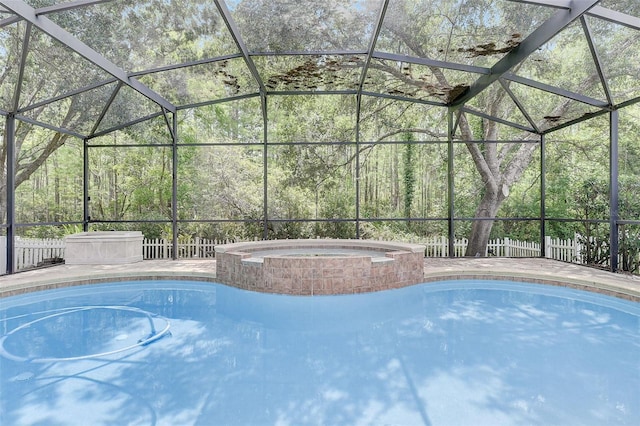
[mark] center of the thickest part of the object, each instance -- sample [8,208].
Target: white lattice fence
[157,248]
[160,248]
[30,253]
[513,248]
[567,250]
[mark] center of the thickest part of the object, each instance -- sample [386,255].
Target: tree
[409,175]
[301,178]
[498,169]
[52,71]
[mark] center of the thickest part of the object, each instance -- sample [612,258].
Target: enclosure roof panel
[618,47]
[87,106]
[211,80]
[506,107]
[417,81]
[11,52]
[305,25]
[630,9]
[174,54]
[571,68]
[125,106]
[549,110]
[310,72]
[149,33]
[66,71]
[476,33]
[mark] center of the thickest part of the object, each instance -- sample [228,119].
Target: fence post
[507,247]
[17,254]
[3,255]
[547,247]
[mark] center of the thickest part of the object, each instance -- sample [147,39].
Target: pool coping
[535,270]
[538,271]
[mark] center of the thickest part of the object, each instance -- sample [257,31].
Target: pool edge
[538,271]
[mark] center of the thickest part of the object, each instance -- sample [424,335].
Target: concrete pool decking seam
[536,270]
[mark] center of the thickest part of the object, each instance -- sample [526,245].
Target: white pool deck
[522,269]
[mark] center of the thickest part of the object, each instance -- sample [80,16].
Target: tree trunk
[481,229]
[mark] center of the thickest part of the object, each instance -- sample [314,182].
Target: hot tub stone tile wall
[320,275]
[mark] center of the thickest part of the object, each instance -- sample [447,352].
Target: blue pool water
[186,353]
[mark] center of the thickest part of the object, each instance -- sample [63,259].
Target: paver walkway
[531,270]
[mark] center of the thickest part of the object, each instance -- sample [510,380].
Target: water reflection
[433,354]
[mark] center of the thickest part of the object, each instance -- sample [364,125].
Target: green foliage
[591,201]
[409,174]
[53,192]
[629,246]
[130,185]
[315,160]
[48,231]
[338,206]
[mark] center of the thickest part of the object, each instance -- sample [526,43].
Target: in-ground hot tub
[308,267]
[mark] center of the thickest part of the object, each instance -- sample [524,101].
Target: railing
[31,253]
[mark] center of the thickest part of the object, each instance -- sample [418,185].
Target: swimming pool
[457,352]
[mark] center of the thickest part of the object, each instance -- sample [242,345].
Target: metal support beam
[596,60]
[56,32]
[556,90]
[69,6]
[561,4]
[614,17]
[86,199]
[498,120]
[174,184]
[23,62]
[235,34]
[543,195]
[358,112]
[450,183]
[372,46]
[541,35]
[614,206]
[405,98]
[105,108]
[66,95]
[10,139]
[125,125]
[265,166]
[363,77]
[432,63]
[519,104]
[55,8]
[172,127]
[585,117]
[30,120]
